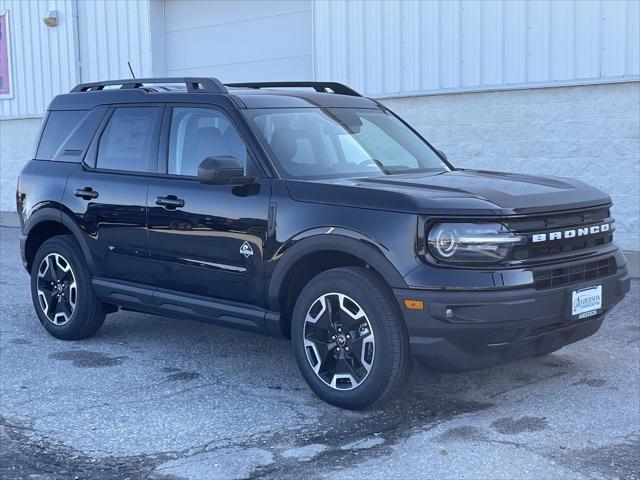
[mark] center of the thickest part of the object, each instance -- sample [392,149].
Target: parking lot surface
[151,397]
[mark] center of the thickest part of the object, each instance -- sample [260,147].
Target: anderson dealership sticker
[586,301]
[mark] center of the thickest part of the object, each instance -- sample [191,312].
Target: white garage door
[238,40]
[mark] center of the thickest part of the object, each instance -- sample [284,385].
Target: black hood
[458,192]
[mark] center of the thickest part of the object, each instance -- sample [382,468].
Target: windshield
[341,142]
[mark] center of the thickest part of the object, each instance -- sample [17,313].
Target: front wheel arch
[315,254]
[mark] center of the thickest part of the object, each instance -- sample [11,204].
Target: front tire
[350,343]
[62,292]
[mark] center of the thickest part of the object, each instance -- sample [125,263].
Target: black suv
[305,210]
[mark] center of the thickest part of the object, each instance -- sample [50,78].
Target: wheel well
[39,234]
[302,272]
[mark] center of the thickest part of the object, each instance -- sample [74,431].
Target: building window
[5,60]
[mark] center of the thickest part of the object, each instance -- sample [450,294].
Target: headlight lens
[471,242]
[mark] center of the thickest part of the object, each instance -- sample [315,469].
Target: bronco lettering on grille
[576,232]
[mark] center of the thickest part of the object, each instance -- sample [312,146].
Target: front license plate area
[586,302]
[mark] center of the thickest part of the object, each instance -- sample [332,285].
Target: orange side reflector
[414,304]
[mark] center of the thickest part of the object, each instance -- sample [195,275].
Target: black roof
[201,90]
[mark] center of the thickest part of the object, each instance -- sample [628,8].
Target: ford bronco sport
[306,210]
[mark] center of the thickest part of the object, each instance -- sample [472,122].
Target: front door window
[198,133]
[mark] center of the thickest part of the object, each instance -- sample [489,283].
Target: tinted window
[198,133]
[58,127]
[78,140]
[129,141]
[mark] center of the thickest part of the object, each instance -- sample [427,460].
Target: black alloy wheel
[339,341]
[57,289]
[349,338]
[62,290]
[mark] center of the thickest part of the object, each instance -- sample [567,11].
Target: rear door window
[57,129]
[129,142]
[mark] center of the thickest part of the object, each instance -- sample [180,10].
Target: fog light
[448,313]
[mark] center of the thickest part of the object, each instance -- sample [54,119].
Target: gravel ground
[151,397]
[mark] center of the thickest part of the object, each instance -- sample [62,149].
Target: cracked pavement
[152,397]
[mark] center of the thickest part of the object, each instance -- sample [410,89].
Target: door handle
[87,193]
[170,202]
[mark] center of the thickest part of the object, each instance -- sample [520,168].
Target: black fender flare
[51,214]
[330,238]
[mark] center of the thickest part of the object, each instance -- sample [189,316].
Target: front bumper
[490,327]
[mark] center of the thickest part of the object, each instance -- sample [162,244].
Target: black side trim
[340,240]
[54,213]
[123,294]
[149,299]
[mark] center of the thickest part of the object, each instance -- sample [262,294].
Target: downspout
[76,42]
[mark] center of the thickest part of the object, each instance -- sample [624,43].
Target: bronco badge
[576,232]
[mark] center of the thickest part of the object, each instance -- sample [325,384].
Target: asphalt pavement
[152,397]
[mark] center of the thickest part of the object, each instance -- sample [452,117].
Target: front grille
[525,252]
[548,223]
[574,274]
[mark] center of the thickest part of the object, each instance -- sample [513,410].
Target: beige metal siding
[42,63]
[112,33]
[394,48]
[93,41]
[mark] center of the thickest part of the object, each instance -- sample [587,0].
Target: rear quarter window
[74,147]
[59,126]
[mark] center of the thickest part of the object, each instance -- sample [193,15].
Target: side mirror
[442,154]
[222,170]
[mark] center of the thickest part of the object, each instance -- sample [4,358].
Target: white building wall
[110,34]
[93,41]
[42,58]
[385,48]
[591,133]
[236,41]
[16,147]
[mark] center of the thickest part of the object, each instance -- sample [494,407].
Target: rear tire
[350,342]
[62,292]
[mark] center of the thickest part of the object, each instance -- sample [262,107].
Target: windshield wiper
[381,166]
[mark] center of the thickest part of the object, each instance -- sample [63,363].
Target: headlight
[471,242]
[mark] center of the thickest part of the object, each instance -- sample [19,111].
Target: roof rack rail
[334,87]
[194,84]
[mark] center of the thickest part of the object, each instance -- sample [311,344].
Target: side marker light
[414,304]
